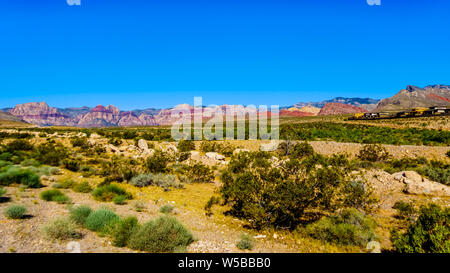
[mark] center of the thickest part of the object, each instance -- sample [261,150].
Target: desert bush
[157,163]
[71,164]
[349,227]
[66,183]
[122,230]
[430,233]
[15,212]
[2,192]
[198,172]
[404,210]
[61,229]
[164,234]
[50,153]
[186,145]
[245,242]
[301,150]
[437,173]
[18,145]
[213,146]
[284,148]
[80,142]
[80,214]
[120,200]
[161,180]
[30,162]
[52,195]
[108,192]
[184,156]
[166,209]
[269,196]
[119,169]
[101,219]
[83,187]
[358,194]
[12,174]
[61,199]
[373,153]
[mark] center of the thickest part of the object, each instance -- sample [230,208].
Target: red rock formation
[40,113]
[100,116]
[294,113]
[335,108]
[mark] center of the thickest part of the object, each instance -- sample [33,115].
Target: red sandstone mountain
[40,113]
[335,108]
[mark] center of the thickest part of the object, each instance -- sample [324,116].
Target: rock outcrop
[416,184]
[335,108]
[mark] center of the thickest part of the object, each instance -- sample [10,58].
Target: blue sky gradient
[138,54]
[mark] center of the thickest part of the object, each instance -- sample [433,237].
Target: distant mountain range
[40,113]
[366,103]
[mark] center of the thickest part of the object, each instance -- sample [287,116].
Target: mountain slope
[413,96]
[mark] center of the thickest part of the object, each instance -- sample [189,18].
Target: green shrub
[349,227]
[71,165]
[30,162]
[164,234]
[25,177]
[66,183]
[18,145]
[435,173]
[430,233]
[108,192]
[61,199]
[186,145]
[80,214]
[301,150]
[99,220]
[15,212]
[198,172]
[83,187]
[245,242]
[404,210]
[122,231]
[50,195]
[166,209]
[120,200]
[268,196]
[61,229]
[157,163]
[2,192]
[373,153]
[161,180]
[50,153]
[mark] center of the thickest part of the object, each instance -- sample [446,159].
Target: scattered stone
[215,156]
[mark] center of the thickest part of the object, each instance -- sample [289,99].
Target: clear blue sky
[159,53]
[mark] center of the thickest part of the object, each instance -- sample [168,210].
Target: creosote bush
[430,233]
[349,227]
[373,153]
[163,234]
[15,212]
[12,174]
[186,145]
[108,192]
[52,195]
